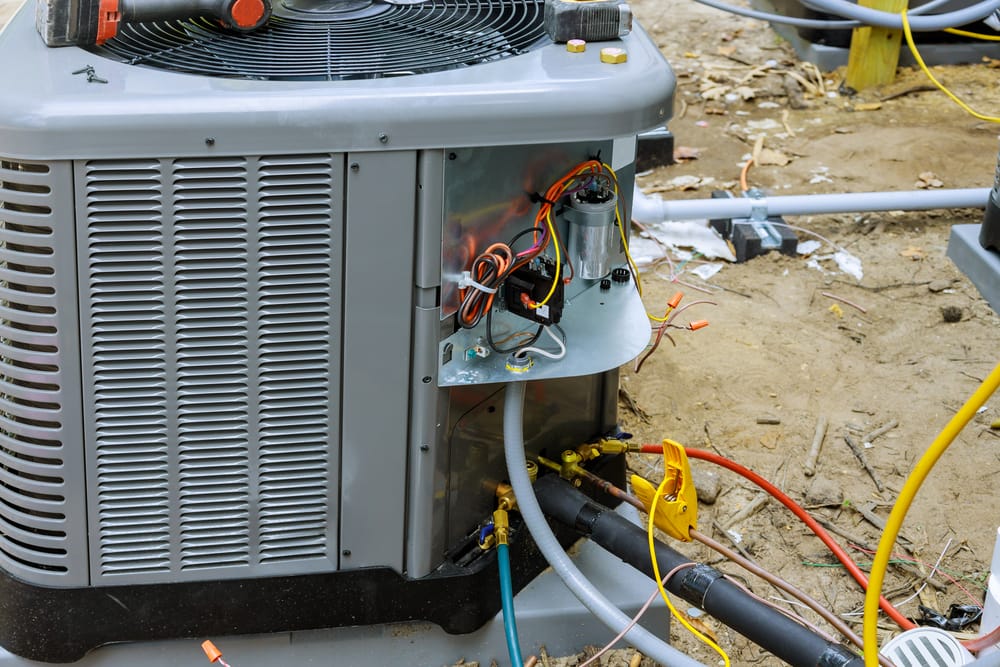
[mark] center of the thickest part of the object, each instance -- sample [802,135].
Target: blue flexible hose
[507,599]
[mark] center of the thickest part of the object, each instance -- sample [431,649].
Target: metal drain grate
[360,39]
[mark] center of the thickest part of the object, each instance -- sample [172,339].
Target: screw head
[383,137]
[425,448]
[209,141]
[345,552]
[355,167]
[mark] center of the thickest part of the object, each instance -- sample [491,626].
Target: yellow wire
[920,61]
[659,578]
[666,315]
[973,35]
[906,495]
[555,279]
[621,229]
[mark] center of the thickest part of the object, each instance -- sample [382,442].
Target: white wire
[928,578]
[556,356]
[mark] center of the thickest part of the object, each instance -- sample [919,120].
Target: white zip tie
[467,281]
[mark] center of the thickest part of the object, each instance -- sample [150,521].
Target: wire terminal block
[677,510]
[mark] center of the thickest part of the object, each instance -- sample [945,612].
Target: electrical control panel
[526,288]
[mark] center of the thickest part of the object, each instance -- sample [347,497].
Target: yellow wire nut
[677,505]
[576,46]
[613,56]
[906,495]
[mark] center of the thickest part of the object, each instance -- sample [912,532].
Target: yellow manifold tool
[677,509]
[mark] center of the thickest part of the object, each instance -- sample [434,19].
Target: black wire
[524,232]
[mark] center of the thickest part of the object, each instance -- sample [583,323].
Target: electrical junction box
[233,387]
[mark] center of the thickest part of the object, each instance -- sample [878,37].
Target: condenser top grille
[340,39]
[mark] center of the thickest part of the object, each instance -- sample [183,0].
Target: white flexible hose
[578,584]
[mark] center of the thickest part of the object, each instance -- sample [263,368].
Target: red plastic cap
[248,14]
[675,299]
[698,324]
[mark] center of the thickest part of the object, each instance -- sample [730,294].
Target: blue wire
[507,599]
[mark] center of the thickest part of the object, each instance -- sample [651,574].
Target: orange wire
[743,175]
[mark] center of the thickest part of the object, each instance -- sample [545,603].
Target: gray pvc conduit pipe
[875,17]
[819,24]
[649,210]
[579,585]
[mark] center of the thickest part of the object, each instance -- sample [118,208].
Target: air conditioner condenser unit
[235,396]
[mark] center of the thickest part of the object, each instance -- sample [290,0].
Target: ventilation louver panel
[34,519]
[353,40]
[213,329]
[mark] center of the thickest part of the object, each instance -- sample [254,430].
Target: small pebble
[939,285]
[825,492]
[951,313]
[708,485]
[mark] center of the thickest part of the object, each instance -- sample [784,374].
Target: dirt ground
[778,349]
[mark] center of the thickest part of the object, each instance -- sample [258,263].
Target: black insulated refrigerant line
[701,585]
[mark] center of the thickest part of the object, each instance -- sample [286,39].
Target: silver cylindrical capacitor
[592,232]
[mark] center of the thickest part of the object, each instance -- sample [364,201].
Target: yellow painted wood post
[874,52]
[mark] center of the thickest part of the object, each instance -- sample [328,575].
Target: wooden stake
[874,52]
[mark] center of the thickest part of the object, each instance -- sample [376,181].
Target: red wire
[797,510]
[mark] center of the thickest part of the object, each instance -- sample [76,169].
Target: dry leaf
[913,253]
[691,54]
[770,440]
[772,157]
[836,310]
[714,92]
[703,627]
[929,179]
[726,50]
[868,106]
[682,153]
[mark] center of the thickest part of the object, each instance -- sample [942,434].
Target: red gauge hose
[797,510]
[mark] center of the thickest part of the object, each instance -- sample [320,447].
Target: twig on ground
[844,301]
[881,430]
[748,510]
[860,455]
[732,540]
[813,456]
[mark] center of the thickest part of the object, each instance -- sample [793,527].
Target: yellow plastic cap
[613,56]
[576,46]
